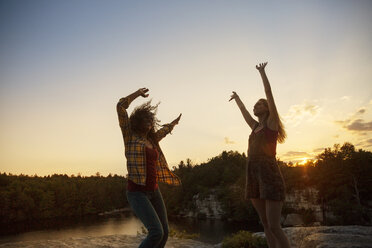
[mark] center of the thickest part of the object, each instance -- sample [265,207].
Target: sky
[65,64]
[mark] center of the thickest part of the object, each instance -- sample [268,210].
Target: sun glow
[304,161]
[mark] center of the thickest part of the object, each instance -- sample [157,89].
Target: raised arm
[167,128]
[247,117]
[121,109]
[273,120]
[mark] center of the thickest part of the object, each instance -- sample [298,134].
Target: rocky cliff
[208,206]
[205,207]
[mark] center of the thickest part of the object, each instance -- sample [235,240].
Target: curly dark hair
[142,114]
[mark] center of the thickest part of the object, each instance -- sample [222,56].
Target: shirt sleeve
[124,122]
[162,132]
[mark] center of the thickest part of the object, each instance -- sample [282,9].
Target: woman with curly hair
[264,182]
[146,166]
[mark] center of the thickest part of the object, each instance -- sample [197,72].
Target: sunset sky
[65,64]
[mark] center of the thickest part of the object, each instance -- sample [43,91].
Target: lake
[210,231]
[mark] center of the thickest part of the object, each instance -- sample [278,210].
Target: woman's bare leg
[260,207]
[273,213]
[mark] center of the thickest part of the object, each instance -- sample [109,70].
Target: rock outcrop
[299,200]
[206,207]
[293,220]
[305,200]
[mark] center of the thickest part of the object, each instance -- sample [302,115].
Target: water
[210,231]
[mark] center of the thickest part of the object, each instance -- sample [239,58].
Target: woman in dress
[146,166]
[264,182]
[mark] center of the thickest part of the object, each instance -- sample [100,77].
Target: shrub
[308,216]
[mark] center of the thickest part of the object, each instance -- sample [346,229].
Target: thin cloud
[360,125]
[361,111]
[296,157]
[365,143]
[342,123]
[296,110]
[299,112]
[321,149]
[295,161]
[228,141]
[356,124]
[296,154]
[345,98]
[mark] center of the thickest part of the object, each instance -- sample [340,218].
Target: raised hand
[175,122]
[234,96]
[142,92]
[261,67]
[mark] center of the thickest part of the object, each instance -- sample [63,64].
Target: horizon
[64,65]
[300,163]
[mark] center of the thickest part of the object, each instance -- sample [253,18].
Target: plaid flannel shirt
[135,150]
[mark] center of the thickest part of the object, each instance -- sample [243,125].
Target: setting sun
[303,161]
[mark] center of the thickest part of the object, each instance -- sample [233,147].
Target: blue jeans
[150,209]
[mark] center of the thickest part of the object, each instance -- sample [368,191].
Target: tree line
[342,175]
[25,198]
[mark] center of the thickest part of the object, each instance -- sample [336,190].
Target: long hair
[142,114]
[282,135]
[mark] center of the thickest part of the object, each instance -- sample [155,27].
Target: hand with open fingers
[233,96]
[175,122]
[142,92]
[261,67]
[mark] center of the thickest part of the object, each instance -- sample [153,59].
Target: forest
[31,198]
[342,176]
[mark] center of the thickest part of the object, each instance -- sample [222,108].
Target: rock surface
[329,236]
[300,237]
[104,242]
